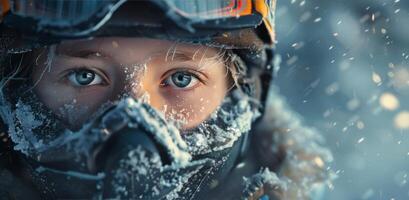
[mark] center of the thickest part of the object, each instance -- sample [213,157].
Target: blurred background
[345,68]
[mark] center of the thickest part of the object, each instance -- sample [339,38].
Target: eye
[84,77]
[181,80]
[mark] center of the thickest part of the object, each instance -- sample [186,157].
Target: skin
[137,67]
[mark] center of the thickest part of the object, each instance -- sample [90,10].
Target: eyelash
[168,77]
[97,76]
[166,82]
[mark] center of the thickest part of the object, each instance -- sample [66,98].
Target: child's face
[186,82]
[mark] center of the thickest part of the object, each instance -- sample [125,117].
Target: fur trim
[303,166]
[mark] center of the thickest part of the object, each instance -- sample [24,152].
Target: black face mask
[129,151]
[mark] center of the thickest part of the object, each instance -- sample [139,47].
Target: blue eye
[182,80]
[84,77]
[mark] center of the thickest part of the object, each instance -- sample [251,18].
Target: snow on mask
[33,128]
[30,125]
[225,126]
[154,176]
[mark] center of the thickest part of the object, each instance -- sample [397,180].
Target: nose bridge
[136,91]
[134,77]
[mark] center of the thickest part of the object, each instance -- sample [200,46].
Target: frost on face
[134,85]
[232,119]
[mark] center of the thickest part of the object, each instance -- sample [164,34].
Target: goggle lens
[211,9]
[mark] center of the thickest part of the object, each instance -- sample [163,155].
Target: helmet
[68,19]
[243,27]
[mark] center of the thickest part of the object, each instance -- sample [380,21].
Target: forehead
[136,49]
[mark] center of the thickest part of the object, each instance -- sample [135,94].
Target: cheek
[72,105]
[192,107]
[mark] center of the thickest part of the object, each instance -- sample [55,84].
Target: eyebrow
[85,53]
[181,56]
[173,55]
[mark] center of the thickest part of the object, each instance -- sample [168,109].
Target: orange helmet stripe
[4,7]
[265,10]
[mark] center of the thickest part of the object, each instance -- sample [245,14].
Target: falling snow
[358,51]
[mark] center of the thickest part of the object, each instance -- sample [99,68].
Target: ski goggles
[72,18]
